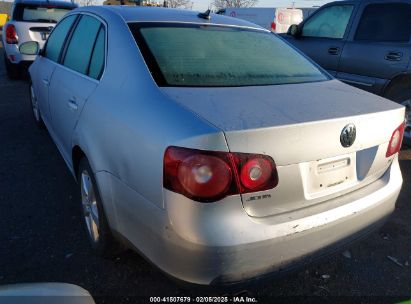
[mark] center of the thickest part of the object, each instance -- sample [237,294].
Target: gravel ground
[42,240]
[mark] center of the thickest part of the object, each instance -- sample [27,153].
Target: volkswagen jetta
[209,144]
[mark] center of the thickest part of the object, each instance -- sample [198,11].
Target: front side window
[218,56]
[36,13]
[330,22]
[81,45]
[57,38]
[385,23]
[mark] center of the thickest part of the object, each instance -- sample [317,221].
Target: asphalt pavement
[42,238]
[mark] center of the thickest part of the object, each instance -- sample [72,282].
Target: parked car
[364,43]
[278,20]
[31,20]
[209,144]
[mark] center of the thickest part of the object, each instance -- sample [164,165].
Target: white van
[308,11]
[277,20]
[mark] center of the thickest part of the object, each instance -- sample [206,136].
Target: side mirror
[29,48]
[294,30]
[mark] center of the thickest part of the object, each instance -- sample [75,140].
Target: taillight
[204,176]
[396,141]
[257,173]
[11,34]
[273,26]
[208,176]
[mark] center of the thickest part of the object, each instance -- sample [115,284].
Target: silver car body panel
[269,120]
[125,123]
[220,243]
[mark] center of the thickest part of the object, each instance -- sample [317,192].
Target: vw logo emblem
[348,135]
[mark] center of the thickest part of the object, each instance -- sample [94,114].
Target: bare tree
[221,4]
[178,3]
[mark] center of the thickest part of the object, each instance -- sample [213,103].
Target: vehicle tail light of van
[208,176]
[273,26]
[396,141]
[11,34]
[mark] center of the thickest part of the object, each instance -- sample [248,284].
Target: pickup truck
[31,20]
[365,43]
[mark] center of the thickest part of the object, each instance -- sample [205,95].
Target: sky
[202,5]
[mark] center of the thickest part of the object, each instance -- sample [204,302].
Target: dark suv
[365,43]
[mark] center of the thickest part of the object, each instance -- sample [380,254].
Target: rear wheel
[13,71]
[94,218]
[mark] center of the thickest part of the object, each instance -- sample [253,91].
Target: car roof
[46,2]
[132,14]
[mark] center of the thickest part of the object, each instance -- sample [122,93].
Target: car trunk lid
[300,126]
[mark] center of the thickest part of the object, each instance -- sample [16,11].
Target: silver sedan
[210,145]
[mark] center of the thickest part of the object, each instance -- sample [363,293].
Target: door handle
[46,82]
[334,50]
[393,56]
[72,103]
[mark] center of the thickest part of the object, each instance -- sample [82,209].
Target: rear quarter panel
[127,123]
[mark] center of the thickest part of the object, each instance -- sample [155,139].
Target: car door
[75,79]
[378,46]
[322,35]
[48,62]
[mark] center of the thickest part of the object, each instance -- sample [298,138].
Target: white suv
[31,20]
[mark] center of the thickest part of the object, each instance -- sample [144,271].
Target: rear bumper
[216,253]
[220,244]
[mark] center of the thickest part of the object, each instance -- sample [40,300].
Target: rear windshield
[36,13]
[219,56]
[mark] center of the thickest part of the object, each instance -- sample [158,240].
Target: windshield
[220,56]
[33,13]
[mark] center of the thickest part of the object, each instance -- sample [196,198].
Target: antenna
[205,15]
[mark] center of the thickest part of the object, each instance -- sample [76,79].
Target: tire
[35,110]
[13,71]
[94,218]
[401,93]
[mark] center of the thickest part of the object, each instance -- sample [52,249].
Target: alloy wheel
[90,209]
[407,134]
[34,105]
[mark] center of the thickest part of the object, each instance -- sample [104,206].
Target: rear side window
[97,59]
[385,23]
[57,38]
[219,56]
[81,45]
[330,22]
[36,13]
